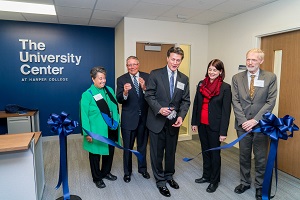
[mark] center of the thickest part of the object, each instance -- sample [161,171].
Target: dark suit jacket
[263,101]
[158,95]
[131,106]
[219,108]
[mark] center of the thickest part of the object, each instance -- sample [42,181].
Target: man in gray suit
[251,99]
[168,96]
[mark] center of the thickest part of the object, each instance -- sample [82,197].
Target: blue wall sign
[46,66]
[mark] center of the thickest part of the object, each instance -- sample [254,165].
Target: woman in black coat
[211,114]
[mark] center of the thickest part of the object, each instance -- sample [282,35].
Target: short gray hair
[96,70]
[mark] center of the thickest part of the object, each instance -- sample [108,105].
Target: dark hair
[95,70]
[176,50]
[218,64]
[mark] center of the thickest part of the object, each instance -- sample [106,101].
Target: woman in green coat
[100,115]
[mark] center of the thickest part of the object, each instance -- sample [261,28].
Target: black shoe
[258,194]
[146,175]
[201,180]
[100,184]
[164,191]
[110,177]
[173,184]
[127,178]
[212,187]
[241,188]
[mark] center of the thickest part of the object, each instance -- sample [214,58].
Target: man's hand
[127,87]
[142,83]
[178,122]
[165,111]
[248,125]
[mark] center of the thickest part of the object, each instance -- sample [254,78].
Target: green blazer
[92,120]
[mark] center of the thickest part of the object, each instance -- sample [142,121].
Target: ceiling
[108,13]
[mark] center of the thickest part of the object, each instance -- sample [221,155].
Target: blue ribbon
[112,143]
[275,128]
[63,126]
[226,146]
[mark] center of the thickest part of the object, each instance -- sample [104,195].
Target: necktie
[172,84]
[252,86]
[136,85]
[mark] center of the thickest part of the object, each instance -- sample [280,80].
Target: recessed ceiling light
[34,8]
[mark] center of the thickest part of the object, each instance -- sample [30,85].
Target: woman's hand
[195,128]
[222,138]
[89,138]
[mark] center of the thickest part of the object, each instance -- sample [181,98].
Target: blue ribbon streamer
[112,143]
[63,126]
[226,146]
[275,128]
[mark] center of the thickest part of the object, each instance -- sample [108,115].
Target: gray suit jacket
[158,95]
[263,101]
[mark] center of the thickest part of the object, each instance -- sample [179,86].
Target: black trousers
[106,161]
[141,134]
[211,159]
[163,148]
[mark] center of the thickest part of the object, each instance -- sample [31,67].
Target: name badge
[180,85]
[98,97]
[259,83]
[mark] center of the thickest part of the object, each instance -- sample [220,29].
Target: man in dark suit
[168,96]
[254,93]
[130,93]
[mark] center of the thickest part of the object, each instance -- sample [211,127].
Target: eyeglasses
[132,65]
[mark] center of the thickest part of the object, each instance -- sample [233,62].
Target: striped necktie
[136,85]
[252,88]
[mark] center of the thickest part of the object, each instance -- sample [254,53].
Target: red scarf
[208,89]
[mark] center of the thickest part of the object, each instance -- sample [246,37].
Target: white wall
[229,40]
[141,30]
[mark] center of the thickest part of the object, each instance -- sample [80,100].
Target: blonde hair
[260,53]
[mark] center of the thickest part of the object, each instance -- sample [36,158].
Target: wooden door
[150,60]
[289,43]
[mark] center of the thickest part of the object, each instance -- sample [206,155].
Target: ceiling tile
[103,23]
[73,12]
[40,18]
[107,15]
[149,9]
[164,2]
[235,6]
[211,16]
[201,5]
[116,5]
[11,16]
[76,3]
[74,20]
[187,12]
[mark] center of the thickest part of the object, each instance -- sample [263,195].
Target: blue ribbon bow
[275,128]
[63,126]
